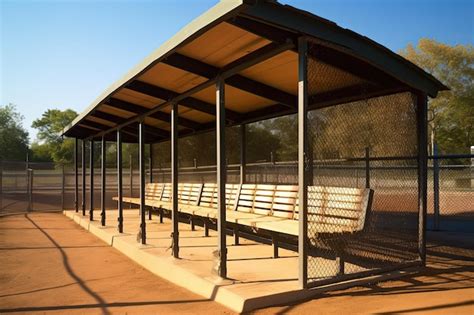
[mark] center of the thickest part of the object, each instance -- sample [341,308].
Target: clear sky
[63,54]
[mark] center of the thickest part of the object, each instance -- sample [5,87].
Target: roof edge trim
[222,10]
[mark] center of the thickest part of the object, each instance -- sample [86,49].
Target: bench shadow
[449,262]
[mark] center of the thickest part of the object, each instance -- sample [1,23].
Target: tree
[49,126]
[13,137]
[452,112]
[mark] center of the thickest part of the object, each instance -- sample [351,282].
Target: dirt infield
[446,286]
[50,265]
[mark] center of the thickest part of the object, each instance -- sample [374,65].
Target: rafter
[332,57]
[238,81]
[190,102]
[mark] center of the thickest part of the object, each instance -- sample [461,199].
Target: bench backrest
[192,193]
[339,209]
[209,195]
[153,191]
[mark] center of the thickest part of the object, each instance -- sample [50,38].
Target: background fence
[39,186]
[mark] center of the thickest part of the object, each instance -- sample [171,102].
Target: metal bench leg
[149,213]
[275,245]
[161,215]
[191,222]
[206,228]
[236,235]
[340,262]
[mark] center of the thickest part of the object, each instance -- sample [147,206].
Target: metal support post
[30,189]
[76,175]
[91,179]
[174,179]
[131,178]
[422,124]
[221,177]
[83,197]
[302,160]
[243,153]
[436,187]
[103,188]
[141,154]
[367,167]
[63,184]
[119,181]
[150,164]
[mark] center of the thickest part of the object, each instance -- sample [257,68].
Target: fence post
[436,187]
[63,183]
[131,179]
[30,189]
[367,168]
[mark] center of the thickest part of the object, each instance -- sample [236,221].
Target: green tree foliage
[13,137]
[51,145]
[452,112]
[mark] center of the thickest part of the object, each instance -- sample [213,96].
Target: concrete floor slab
[255,278]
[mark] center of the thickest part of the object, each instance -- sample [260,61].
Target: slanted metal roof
[252,45]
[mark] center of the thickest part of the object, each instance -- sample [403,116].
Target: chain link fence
[356,226]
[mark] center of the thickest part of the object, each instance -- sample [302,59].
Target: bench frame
[276,238]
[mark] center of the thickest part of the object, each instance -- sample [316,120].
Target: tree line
[335,132]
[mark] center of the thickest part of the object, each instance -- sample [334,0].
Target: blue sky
[63,54]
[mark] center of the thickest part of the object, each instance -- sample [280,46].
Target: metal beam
[91,188]
[110,117]
[323,53]
[94,124]
[174,180]
[187,123]
[189,102]
[238,81]
[221,178]
[339,96]
[119,181]
[103,190]
[231,69]
[141,153]
[302,149]
[347,41]
[153,131]
[83,197]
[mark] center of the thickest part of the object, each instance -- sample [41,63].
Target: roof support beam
[157,132]
[137,109]
[341,96]
[324,54]
[190,102]
[231,69]
[238,81]
[94,124]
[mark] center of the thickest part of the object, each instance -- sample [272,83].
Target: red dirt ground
[50,265]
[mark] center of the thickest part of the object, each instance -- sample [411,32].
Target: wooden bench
[333,212]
